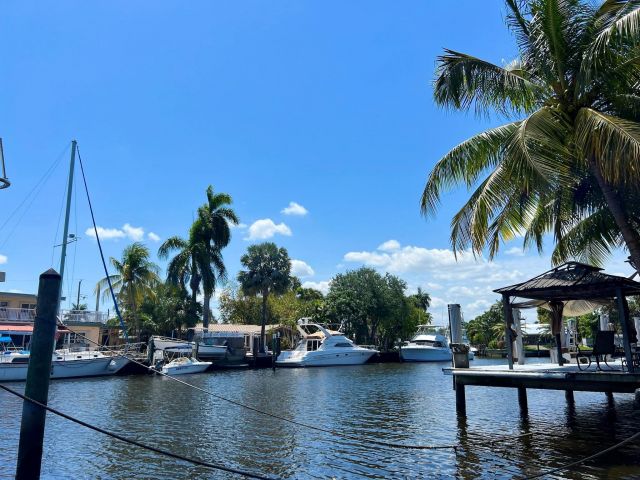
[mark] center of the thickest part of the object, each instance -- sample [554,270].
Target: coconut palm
[135,278]
[268,270]
[570,158]
[199,261]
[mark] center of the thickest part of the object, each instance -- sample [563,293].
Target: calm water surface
[397,403]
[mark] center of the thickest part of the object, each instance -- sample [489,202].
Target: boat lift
[4,181]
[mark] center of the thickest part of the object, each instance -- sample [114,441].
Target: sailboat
[65,363]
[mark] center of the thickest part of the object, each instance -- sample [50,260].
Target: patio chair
[604,345]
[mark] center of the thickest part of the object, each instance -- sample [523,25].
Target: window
[342,344]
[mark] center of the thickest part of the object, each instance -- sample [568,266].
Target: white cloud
[15,290]
[321,286]
[411,259]
[134,233]
[515,252]
[266,228]
[295,209]
[153,237]
[301,269]
[3,259]
[240,226]
[105,233]
[389,246]
[127,231]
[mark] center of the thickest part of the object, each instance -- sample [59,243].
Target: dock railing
[18,315]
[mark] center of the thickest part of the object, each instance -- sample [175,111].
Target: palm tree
[135,279]
[268,270]
[570,159]
[199,259]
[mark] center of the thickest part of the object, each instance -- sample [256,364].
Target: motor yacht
[322,349]
[429,344]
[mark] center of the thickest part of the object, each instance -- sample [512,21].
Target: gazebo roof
[572,281]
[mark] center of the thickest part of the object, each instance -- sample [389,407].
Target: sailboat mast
[65,233]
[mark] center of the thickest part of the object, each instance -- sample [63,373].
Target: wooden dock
[547,376]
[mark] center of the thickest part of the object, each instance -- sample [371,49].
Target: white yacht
[184,365]
[323,349]
[429,344]
[64,364]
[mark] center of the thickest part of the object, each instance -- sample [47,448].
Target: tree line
[370,307]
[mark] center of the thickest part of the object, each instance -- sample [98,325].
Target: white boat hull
[324,359]
[197,367]
[91,367]
[425,354]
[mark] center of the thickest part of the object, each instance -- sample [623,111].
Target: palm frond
[463,81]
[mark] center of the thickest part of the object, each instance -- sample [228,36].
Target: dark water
[396,403]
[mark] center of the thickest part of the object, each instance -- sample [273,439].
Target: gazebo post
[507,329]
[623,308]
[556,324]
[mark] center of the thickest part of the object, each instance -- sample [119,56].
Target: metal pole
[65,232]
[78,301]
[38,374]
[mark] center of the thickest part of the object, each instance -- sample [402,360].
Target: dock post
[610,400]
[461,402]
[636,399]
[38,374]
[522,400]
[568,395]
[623,312]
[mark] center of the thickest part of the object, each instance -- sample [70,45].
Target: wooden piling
[461,402]
[568,395]
[38,374]
[522,399]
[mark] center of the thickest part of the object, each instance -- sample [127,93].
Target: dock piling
[461,402]
[522,400]
[568,395]
[38,374]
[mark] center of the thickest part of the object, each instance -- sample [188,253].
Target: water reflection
[395,403]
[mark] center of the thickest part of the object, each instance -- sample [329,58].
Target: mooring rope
[585,459]
[117,436]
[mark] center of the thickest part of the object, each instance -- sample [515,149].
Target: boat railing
[26,315]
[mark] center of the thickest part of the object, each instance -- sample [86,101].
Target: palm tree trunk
[630,236]
[265,295]
[205,312]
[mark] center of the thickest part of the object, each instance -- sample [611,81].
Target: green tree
[487,329]
[568,163]
[268,270]
[135,278]
[372,307]
[168,311]
[198,260]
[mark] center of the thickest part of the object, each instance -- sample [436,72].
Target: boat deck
[550,376]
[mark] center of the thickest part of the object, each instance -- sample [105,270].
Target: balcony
[17,315]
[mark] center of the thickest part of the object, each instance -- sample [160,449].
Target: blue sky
[326,104]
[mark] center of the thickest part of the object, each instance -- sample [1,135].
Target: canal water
[393,403]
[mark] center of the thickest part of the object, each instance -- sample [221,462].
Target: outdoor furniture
[603,346]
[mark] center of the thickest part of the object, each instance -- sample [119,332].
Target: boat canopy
[5,339]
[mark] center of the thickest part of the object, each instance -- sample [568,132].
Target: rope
[351,438]
[161,451]
[586,459]
[104,264]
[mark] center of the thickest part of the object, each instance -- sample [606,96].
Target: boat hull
[93,367]
[221,355]
[185,369]
[425,354]
[325,359]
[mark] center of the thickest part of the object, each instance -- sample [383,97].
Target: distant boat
[429,344]
[324,349]
[184,365]
[223,349]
